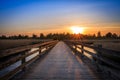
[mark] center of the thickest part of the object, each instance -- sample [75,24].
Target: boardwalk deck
[59,64]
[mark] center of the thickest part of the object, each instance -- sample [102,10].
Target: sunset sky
[46,16]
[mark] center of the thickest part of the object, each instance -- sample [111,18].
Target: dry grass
[107,43]
[7,44]
[113,45]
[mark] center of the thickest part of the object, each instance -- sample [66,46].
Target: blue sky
[43,15]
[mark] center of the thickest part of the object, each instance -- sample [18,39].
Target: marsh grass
[8,44]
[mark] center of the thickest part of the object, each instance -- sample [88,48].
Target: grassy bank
[7,44]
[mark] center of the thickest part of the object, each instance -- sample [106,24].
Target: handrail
[20,54]
[103,57]
[20,49]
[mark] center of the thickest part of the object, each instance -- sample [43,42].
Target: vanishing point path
[59,64]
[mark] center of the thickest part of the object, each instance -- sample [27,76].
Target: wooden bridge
[58,60]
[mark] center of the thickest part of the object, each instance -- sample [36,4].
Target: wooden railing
[11,56]
[107,61]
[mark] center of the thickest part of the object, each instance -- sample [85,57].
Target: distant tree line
[64,36]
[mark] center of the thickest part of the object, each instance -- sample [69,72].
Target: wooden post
[47,46]
[24,59]
[98,62]
[82,51]
[75,49]
[40,50]
[99,50]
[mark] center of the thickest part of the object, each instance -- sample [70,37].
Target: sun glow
[77,30]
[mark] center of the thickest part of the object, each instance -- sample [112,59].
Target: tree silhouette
[3,37]
[49,36]
[64,36]
[34,36]
[20,36]
[115,36]
[26,36]
[99,34]
[42,36]
[109,35]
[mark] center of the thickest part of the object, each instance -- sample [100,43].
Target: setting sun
[77,30]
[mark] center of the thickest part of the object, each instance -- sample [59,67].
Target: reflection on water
[73,46]
[88,49]
[79,46]
[18,63]
[43,49]
[33,55]
[79,50]
[87,55]
[10,68]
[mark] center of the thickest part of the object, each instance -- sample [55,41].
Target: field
[108,44]
[7,44]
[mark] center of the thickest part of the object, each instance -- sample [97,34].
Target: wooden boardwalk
[59,64]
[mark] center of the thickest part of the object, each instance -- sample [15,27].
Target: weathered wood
[108,52]
[13,72]
[23,60]
[23,53]
[109,62]
[60,64]
[103,58]
[15,59]
[110,72]
[20,49]
[40,50]
[82,49]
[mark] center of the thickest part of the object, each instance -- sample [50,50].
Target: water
[18,63]
[85,53]
[33,55]
[90,50]
[10,68]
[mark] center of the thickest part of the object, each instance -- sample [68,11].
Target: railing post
[47,46]
[75,49]
[99,51]
[40,50]
[82,51]
[99,56]
[24,59]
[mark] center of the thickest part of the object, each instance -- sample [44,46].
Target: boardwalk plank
[59,64]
